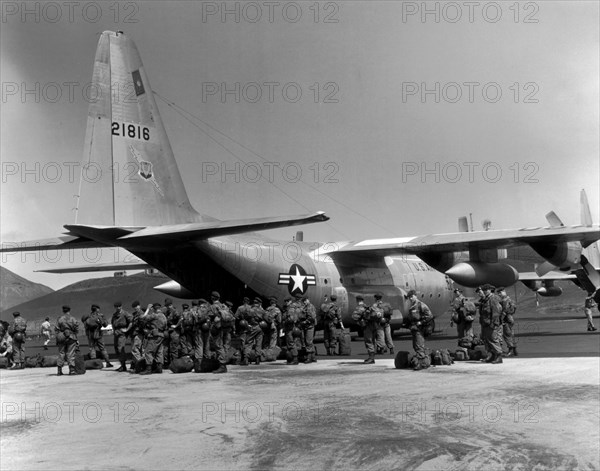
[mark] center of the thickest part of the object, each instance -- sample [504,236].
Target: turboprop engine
[563,255]
[172,288]
[472,274]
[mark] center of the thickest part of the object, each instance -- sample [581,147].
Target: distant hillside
[81,295]
[16,290]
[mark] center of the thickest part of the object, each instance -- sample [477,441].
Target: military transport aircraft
[146,211]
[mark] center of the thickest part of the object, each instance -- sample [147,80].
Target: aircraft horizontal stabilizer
[57,243]
[550,276]
[204,230]
[99,267]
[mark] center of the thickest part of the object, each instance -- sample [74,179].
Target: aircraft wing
[466,241]
[551,276]
[99,267]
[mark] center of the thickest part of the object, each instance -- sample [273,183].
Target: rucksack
[226,315]
[92,321]
[436,358]
[188,320]
[469,310]
[446,357]
[420,363]
[510,307]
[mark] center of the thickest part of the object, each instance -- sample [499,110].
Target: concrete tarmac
[540,410]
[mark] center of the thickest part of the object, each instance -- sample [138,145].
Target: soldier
[66,329]
[154,324]
[463,315]
[362,315]
[331,319]
[121,323]
[419,317]
[377,311]
[137,336]
[508,321]
[93,323]
[188,328]
[242,313]
[490,317]
[290,317]
[307,322]
[5,343]
[202,333]
[217,312]
[590,304]
[173,334]
[252,336]
[228,322]
[45,331]
[272,317]
[17,332]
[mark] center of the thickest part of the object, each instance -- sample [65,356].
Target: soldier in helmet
[255,335]
[93,323]
[242,314]
[67,329]
[137,336]
[121,323]
[490,317]
[228,323]
[290,319]
[362,316]
[273,318]
[419,318]
[174,343]
[508,321]
[378,323]
[307,323]
[331,319]
[590,304]
[17,330]
[154,323]
[201,333]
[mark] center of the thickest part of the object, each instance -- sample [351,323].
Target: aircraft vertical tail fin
[591,252]
[130,176]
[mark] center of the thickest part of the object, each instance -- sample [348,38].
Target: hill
[79,296]
[15,290]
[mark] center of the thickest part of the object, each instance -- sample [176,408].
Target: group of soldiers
[496,317]
[161,334]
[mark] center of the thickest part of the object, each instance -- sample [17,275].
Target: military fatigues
[589,305]
[387,328]
[18,325]
[6,346]
[253,337]
[93,322]
[187,327]
[330,316]
[201,337]
[377,312]
[228,329]
[463,316]
[121,323]
[174,334]
[508,322]
[362,315]
[290,317]
[273,319]
[307,322]
[67,329]
[419,315]
[243,313]
[490,312]
[154,324]
[137,336]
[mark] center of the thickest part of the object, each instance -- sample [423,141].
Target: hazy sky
[399,120]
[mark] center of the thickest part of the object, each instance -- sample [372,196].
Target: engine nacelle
[564,255]
[172,288]
[473,274]
[550,291]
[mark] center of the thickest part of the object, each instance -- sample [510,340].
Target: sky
[395,118]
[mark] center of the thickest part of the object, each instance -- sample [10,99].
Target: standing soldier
[377,325]
[228,322]
[508,321]
[252,337]
[5,343]
[490,317]
[93,323]
[154,324]
[272,317]
[241,319]
[17,331]
[188,328]
[137,337]
[202,333]
[174,343]
[290,317]
[330,316]
[121,323]
[457,313]
[67,329]
[590,304]
[362,315]
[308,320]
[217,312]
[419,319]
[387,328]
[45,331]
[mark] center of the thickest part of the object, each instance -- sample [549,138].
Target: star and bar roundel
[297,280]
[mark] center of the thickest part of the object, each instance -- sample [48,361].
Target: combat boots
[489,358]
[221,369]
[71,370]
[59,371]
[108,364]
[391,350]
[122,368]
[158,369]
[370,360]
[16,366]
[497,359]
[147,371]
[244,362]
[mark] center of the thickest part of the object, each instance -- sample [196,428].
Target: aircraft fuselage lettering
[131,131]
